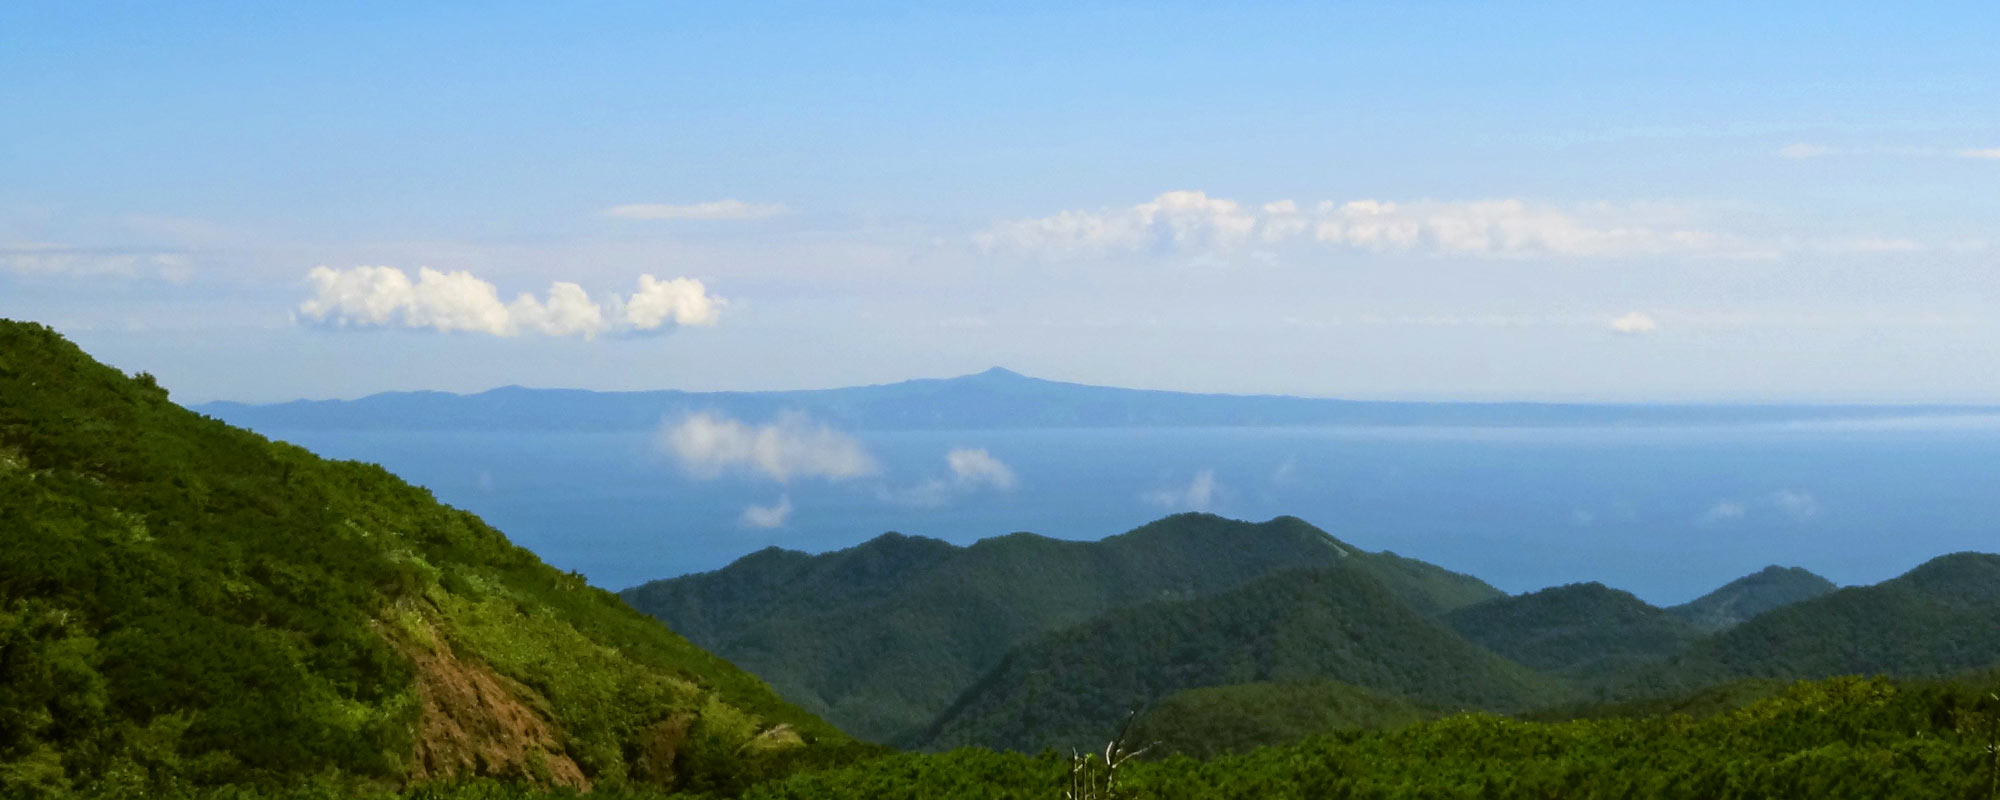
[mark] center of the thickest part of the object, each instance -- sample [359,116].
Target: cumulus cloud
[1634,323]
[792,446]
[1796,504]
[386,297]
[1198,495]
[771,516]
[1193,221]
[713,210]
[974,467]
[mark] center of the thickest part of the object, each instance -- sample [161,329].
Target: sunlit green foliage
[185,604]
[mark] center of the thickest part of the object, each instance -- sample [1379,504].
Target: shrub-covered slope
[1841,738]
[1239,718]
[881,637]
[1072,686]
[1753,594]
[1582,629]
[186,603]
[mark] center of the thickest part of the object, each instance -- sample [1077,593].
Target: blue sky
[1671,202]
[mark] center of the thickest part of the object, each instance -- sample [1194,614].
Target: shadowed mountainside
[883,636]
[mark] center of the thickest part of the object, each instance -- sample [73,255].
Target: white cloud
[1634,323]
[1980,152]
[1796,504]
[713,210]
[386,297]
[1194,222]
[771,516]
[1198,495]
[1725,511]
[974,467]
[677,301]
[709,445]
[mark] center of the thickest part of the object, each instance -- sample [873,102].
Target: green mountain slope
[183,603]
[1215,720]
[1938,619]
[1840,738]
[1753,594]
[1581,629]
[1071,687]
[882,637]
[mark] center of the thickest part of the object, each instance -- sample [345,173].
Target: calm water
[1666,513]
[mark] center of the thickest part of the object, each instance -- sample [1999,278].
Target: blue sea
[1667,513]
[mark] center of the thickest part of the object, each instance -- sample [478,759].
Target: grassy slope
[182,602]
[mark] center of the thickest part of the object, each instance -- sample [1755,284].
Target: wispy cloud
[1199,494]
[1633,323]
[792,446]
[771,516]
[1724,511]
[713,210]
[386,297]
[1792,504]
[1193,221]
[1808,150]
[1795,504]
[38,258]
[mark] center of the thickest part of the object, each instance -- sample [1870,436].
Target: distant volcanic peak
[1000,374]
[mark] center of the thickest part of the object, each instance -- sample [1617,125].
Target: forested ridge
[882,637]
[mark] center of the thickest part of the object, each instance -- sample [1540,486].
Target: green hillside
[186,604]
[882,637]
[1938,619]
[1580,630]
[1753,594]
[1841,738]
[1216,720]
[1071,687]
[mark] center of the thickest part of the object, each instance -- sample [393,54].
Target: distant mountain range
[994,399]
[1024,642]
